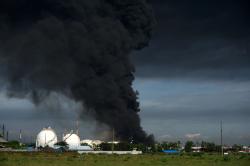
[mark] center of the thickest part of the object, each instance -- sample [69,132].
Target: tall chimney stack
[7,136]
[20,136]
[3,131]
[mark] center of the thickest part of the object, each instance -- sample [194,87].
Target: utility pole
[221,139]
[113,140]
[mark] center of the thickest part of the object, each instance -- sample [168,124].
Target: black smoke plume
[79,48]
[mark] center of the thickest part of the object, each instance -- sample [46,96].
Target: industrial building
[92,143]
[47,140]
[2,140]
[73,140]
[46,137]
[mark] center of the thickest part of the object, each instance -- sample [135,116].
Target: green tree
[188,146]
[208,146]
[62,143]
[218,148]
[13,145]
[168,145]
[237,148]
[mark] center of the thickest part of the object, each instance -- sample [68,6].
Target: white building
[196,148]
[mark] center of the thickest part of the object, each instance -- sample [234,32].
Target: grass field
[74,159]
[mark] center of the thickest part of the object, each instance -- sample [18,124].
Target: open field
[74,159]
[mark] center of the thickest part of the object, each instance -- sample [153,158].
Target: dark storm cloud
[78,48]
[207,39]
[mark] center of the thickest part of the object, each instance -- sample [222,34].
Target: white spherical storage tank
[46,137]
[72,140]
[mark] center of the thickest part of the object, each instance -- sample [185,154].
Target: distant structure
[114,142]
[3,130]
[20,135]
[171,151]
[197,149]
[221,139]
[73,140]
[92,143]
[2,140]
[77,127]
[46,137]
[7,136]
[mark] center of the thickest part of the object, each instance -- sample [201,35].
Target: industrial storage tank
[72,140]
[46,137]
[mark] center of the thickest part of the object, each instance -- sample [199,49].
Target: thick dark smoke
[79,48]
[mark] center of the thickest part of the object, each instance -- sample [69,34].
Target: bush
[197,154]
[2,159]
[226,158]
[13,145]
[164,160]
[188,146]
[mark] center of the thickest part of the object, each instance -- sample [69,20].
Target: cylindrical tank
[46,137]
[72,140]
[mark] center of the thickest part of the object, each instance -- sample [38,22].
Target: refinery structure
[48,140]
[47,137]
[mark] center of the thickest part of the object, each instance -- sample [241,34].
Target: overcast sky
[195,72]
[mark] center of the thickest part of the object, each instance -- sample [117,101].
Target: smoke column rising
[78,48]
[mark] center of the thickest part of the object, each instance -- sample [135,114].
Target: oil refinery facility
[48,139]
